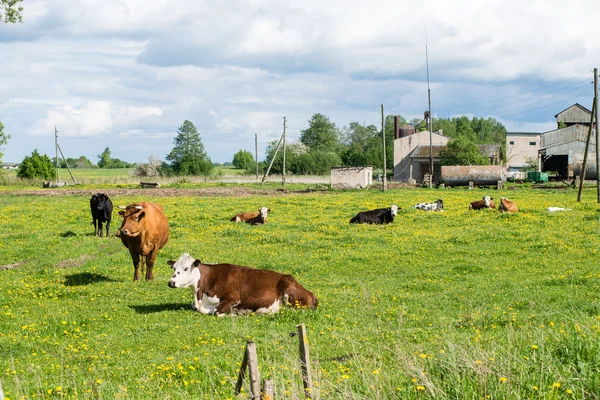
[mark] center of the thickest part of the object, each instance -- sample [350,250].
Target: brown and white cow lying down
[226,288]
[507,206]
[486,202]
[144,231]
[254,217]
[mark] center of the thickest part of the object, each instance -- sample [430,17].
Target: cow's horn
[123,207]
[139,207]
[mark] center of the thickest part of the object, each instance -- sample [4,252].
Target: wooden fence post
[267,390]
[251,361]
[305,361]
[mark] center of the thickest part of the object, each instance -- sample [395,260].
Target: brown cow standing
[507,206]
[254,217]
[227,288]
[144,231]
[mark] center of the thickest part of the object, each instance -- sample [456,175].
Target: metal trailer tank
[461,175]
[591,172]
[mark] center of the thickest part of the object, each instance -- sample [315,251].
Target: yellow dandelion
[502,379]
[423,355]
[534,346]
[420,387]
[345,376]
[535,388]
[478,362]
[556,385]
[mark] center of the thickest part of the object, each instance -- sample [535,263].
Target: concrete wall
[403,147]
[521,148]
[351,177]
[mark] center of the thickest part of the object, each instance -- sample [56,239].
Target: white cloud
[101,70]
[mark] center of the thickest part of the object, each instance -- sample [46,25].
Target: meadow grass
[459,304]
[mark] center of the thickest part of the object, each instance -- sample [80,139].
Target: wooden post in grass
[305,361]
[267,390]
[251,361]
[585,154]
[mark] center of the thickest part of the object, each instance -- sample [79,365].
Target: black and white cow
[377,216]
[101,208]
[437,205]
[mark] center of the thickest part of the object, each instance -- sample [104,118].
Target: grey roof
[574,105]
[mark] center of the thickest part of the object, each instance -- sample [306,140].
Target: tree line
[321,145]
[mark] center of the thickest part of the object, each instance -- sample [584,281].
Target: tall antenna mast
[428,119]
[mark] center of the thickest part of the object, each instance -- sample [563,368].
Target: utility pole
[283,175]
[384,155]
[428,121]
[597,138]
[256,153]
[56,148]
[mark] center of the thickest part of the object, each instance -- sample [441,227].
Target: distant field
[454,305]
[124,176]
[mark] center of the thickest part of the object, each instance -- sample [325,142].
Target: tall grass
[459,304]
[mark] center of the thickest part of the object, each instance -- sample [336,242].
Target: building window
[532,143]
[511,142]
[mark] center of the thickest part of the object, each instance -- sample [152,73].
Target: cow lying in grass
[254,217]
[555,209]
[226,288]
[437,205]
[507,206]
[486,202]
[377,216]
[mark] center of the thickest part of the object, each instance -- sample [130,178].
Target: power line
[518,94]
[536,100]
[547,105]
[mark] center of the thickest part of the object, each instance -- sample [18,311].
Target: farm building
[555,150]
[412,154]
[10,166]
[351,177]
[522,149]
[574,115]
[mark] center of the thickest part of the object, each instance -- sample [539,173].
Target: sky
[126,74]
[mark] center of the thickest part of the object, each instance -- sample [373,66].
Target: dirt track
[164,192]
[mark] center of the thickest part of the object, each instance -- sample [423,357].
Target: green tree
[3,140]
[321,134]
[104,158]
[36,166]
[462,151]
[292,151]
[81,162]
[243,159]
[188,156]
[10,12]
[315,162]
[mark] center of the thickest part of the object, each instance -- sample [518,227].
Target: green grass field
[454,305]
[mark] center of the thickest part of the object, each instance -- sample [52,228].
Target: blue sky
[125,74]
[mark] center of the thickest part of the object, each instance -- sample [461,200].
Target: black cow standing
[378,216]
[101,207]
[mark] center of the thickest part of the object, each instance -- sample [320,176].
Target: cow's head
[185,272]
[487,200]
[440,204]
[394,210]
[133,220]
[263,212]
